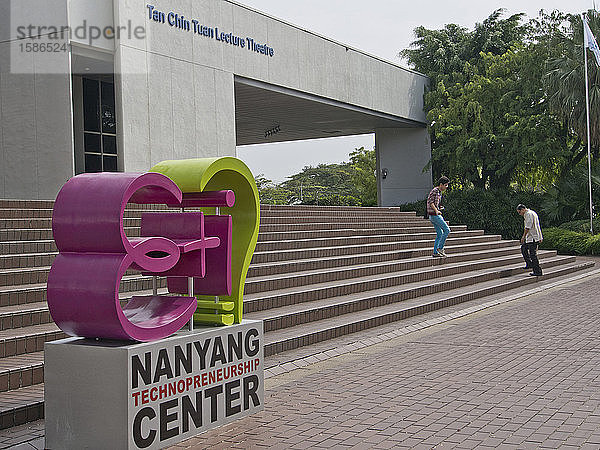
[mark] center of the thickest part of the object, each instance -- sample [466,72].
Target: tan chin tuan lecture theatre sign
[152,370]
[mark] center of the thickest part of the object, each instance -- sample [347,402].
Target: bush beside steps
[569,242]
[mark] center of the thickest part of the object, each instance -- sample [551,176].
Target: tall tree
[363,163]
[349,183]
[325,184]
[488,109]
[565,83]
[270,193]
[496,126]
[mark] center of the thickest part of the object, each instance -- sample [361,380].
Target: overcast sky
[381,28]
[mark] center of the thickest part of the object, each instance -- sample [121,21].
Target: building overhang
[267,113]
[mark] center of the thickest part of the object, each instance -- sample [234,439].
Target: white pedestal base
[102,394]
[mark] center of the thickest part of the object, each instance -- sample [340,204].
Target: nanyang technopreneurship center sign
[181,387]
[152,395]
[131,378]
[182,23]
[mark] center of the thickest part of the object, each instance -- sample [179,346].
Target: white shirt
[533,223]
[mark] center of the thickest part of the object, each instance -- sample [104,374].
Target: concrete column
[402,153]
[171,109]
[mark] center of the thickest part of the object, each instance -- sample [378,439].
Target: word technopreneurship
[182,23]
[191,383]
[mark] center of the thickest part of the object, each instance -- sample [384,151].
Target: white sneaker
[442,252]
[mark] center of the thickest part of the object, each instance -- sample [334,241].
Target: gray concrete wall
[302,60]
[176,87]
[403,153]
[36,139]
[176,110]
[98,13]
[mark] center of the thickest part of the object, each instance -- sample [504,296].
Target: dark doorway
[95,124]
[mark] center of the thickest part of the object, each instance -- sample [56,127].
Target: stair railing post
[190,292]
[217,213]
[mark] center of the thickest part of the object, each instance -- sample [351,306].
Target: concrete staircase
[317,273]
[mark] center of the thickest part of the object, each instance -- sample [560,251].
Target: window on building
[99,126]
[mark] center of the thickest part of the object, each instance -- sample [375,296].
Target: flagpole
[587,110]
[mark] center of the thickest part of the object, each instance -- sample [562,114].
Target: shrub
[418,206]
[567,198]
[582,226]
[594,245]
[568,242]
[492,210]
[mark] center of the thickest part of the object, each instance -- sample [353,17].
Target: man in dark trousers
[532,236]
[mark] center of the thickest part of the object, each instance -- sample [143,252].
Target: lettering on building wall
[191,25]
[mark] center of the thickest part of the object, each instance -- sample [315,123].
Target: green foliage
[506,109]
[326,184]
[348,184]
[570,242]
[495,212]
[594,245]
[450,55]
[568,198]
[565,83]
[488,110]
[492,210]
[270,193]
[495,127]
[418,206]
[364,163]
[581,226]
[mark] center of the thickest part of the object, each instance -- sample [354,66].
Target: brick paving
[524,374]
[521,374]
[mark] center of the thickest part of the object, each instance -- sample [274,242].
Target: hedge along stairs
[317,273]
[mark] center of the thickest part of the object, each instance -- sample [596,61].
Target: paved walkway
[520,374]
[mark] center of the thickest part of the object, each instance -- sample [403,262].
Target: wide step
[317,273]
[438,272]
[310,333]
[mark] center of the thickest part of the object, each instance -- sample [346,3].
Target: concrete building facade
[141,81]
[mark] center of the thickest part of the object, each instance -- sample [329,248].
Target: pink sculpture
[95,253]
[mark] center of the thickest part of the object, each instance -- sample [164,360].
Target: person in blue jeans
[434,210]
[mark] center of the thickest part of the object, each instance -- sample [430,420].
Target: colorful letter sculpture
[217,174]
[95,254]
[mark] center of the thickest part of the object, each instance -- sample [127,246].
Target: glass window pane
[92,143]
[91,105]
[109,124]
[110,144]
[110,163]
[93,163]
